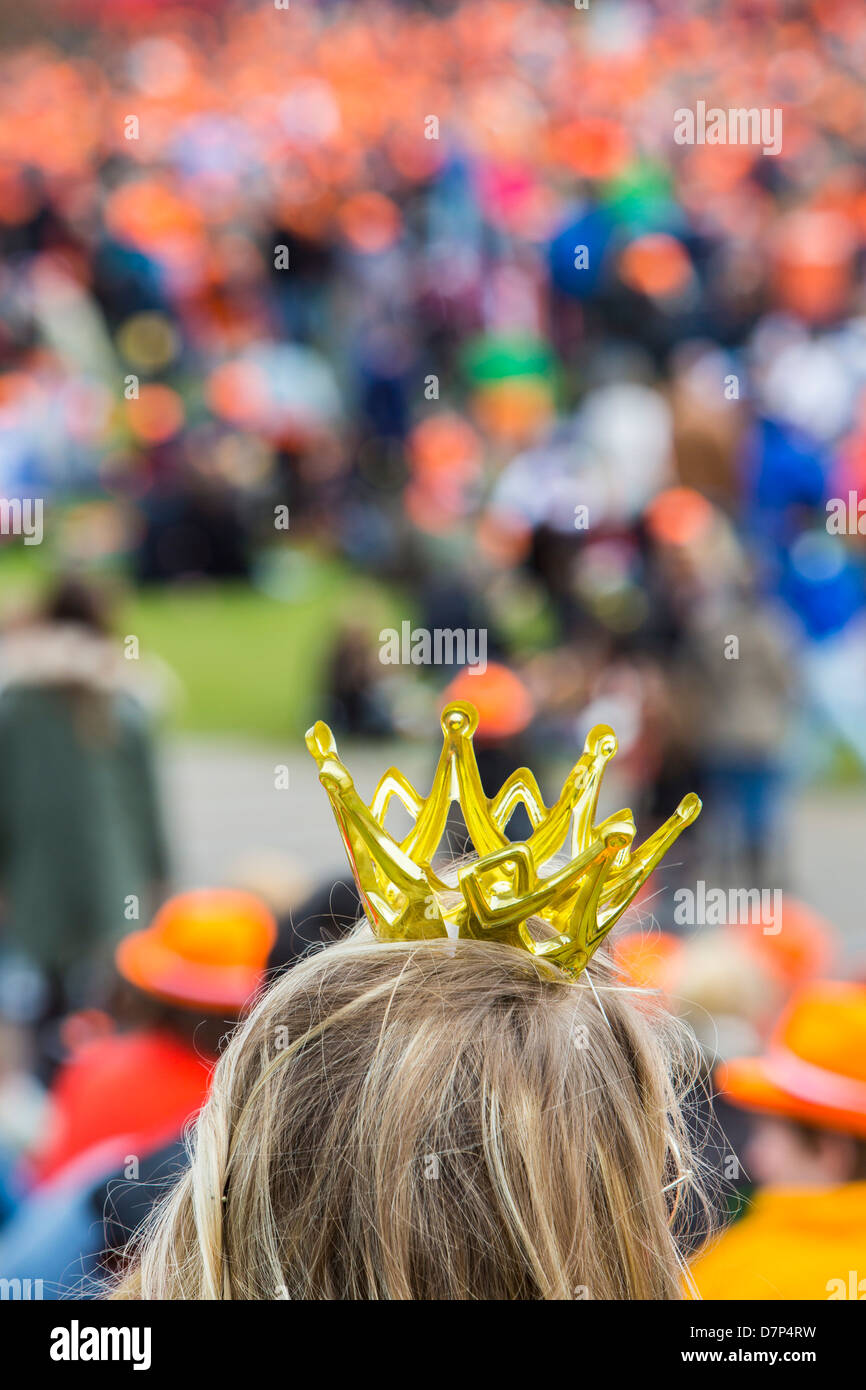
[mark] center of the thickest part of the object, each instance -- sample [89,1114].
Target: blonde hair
[431,1120]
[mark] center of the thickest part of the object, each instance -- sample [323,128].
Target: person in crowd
[735,672]
[119,1103]
[804,1235]
[729,985]
[413,1113]
[357,702]
[413,1120]
[81,833]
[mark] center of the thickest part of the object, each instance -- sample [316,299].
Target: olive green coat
[80,828]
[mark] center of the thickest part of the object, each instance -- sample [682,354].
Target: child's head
[196,965]
[432,1120]
[787,1153]
[808,1090]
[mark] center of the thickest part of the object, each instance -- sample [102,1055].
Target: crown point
[689,808]
[320,740]
[459,718]
[601,741]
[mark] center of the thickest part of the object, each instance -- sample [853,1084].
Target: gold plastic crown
[404,898]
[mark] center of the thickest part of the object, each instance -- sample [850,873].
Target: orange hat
[370,222]
[679,516]
[207,949]
[806,949]
[815,1066]
[647,959]
[656,265]
[814,262]
[505,706]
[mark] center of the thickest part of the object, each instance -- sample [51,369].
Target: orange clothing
[141,1084]
[792,1243]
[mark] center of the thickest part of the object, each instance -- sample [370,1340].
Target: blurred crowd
[469,337]
[437,279]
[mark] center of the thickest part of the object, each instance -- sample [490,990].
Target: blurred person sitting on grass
[119,1103]
[80,825]
[806,1230]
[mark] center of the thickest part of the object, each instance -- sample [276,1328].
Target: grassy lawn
[249,662]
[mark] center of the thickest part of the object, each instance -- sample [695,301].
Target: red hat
[815,1066]
[207,949]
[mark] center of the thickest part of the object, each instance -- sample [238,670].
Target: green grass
[248,662]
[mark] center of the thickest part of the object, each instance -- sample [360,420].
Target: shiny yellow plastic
[405,899]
